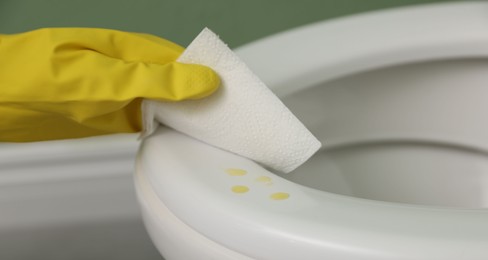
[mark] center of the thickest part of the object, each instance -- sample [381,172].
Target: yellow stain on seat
[263,179]
[279,196]
[240,189]
[236,172]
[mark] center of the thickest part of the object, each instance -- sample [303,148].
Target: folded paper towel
[243,116]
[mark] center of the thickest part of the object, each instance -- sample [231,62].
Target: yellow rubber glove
[76,82]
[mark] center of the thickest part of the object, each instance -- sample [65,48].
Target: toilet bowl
[398,99]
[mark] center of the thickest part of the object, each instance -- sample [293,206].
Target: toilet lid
[243,206]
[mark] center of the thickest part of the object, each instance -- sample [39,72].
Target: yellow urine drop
[279,196]
[240,189]
[263,179]
[236,172]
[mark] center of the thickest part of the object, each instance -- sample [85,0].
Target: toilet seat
[253,213]
[317,224]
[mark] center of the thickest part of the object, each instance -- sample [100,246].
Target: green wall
[236,21]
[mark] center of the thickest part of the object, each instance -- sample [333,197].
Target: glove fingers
[89,81]
[125,81]
[108,100]
[126,46]
[183,81]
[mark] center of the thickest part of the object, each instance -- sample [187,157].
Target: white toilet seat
[190,178]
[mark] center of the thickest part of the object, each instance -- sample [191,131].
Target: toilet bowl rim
[198,193]
[415,34]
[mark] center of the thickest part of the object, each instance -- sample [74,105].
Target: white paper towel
[243,116]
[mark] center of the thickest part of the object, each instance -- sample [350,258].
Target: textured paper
[243,116]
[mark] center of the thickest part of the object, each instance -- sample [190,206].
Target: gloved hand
[77,82]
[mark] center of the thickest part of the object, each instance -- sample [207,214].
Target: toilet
[397,97]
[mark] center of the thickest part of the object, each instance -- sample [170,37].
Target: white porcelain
[71,199]
[57,183]
[398,99]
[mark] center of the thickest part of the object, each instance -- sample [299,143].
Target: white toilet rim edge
[414,34]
